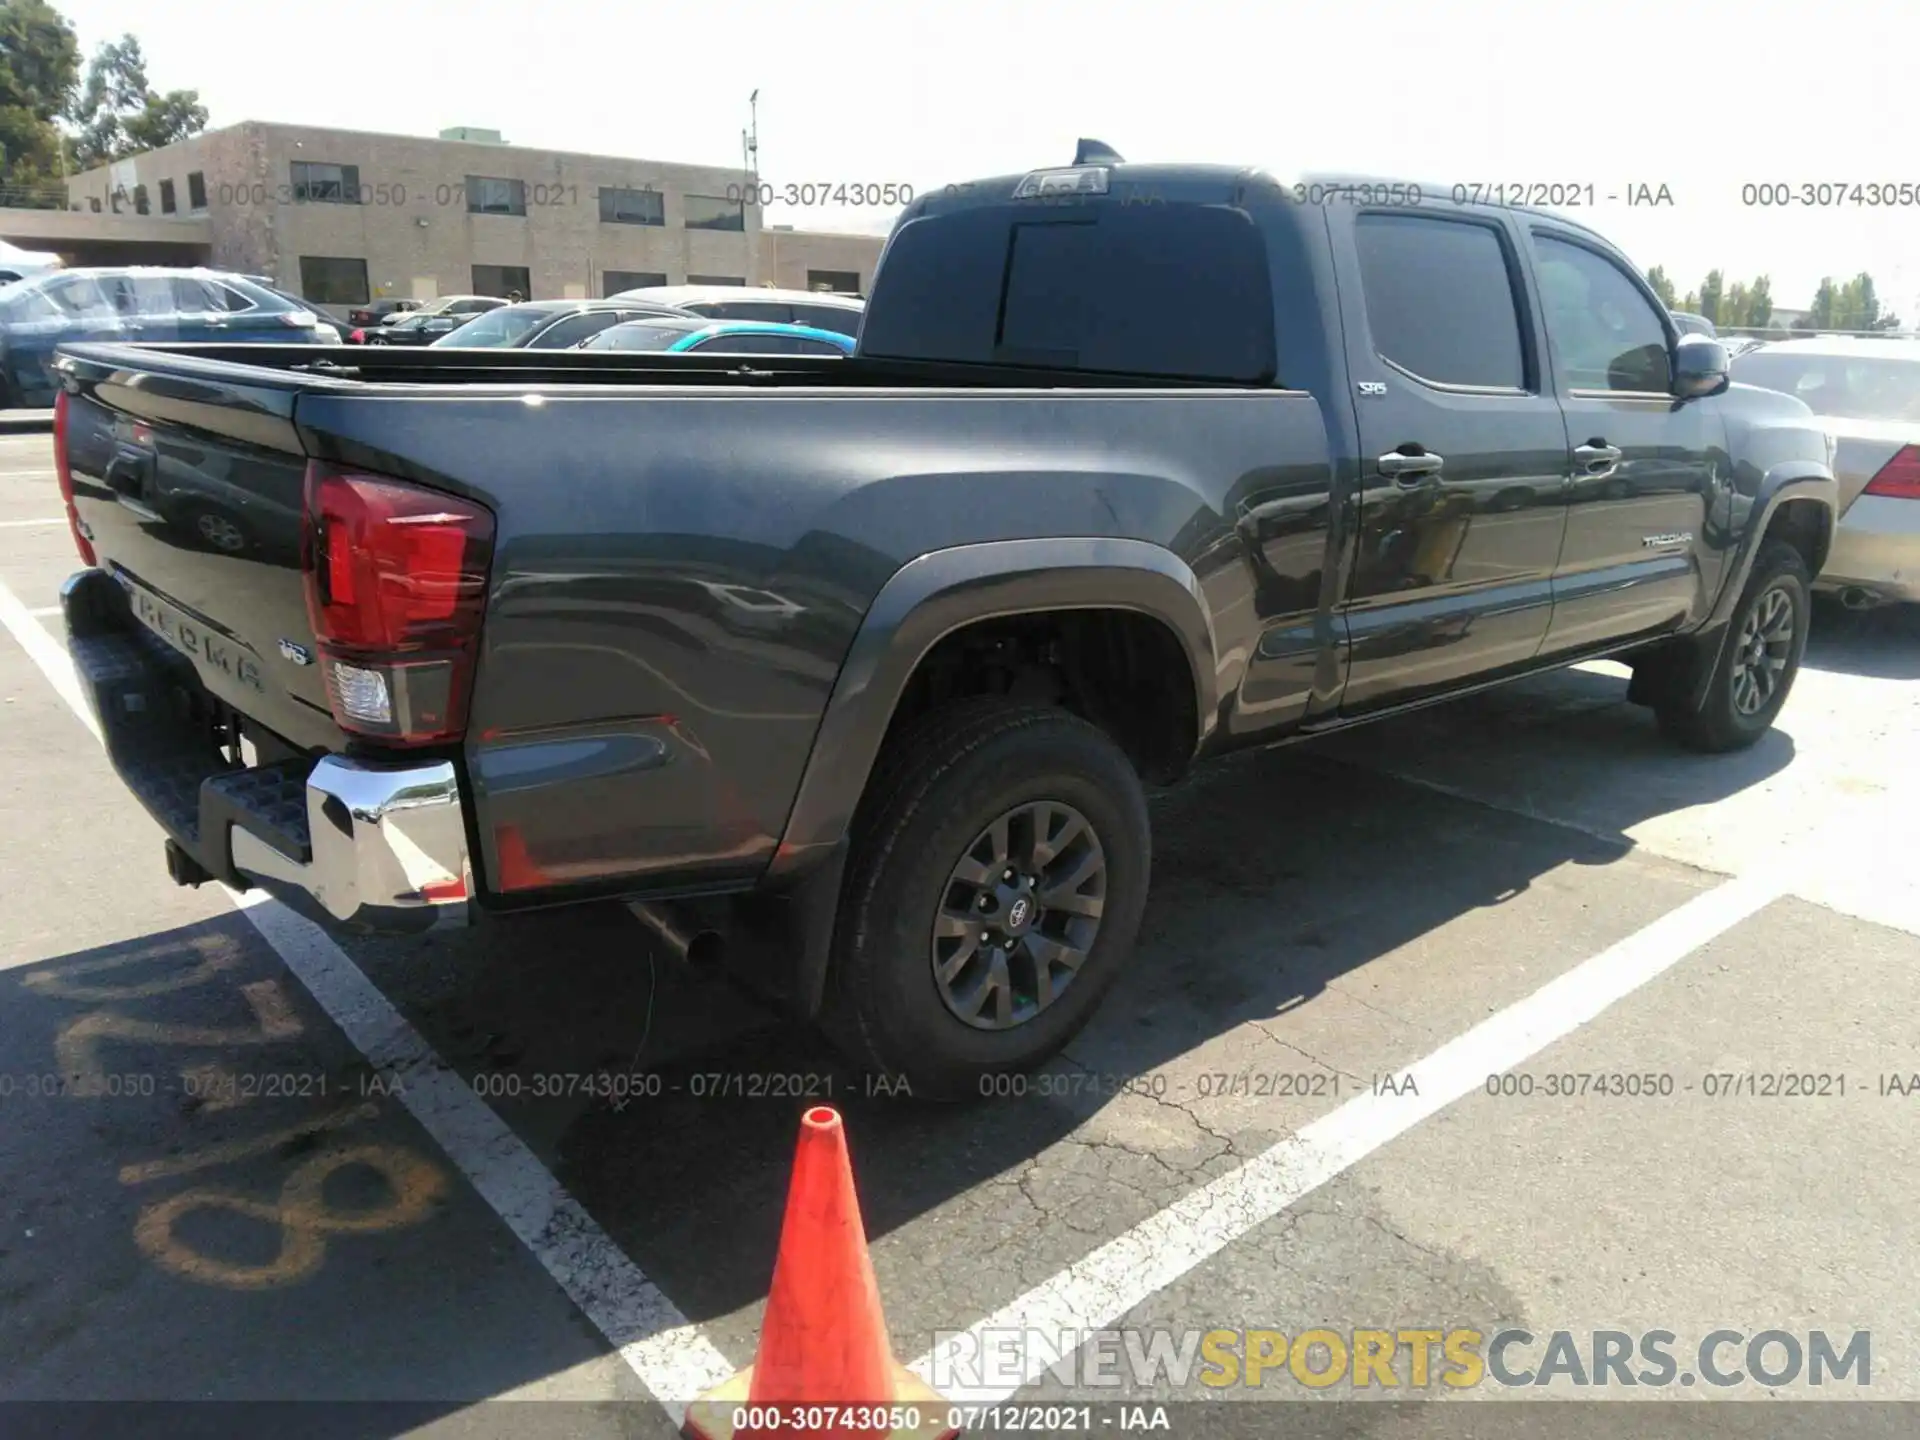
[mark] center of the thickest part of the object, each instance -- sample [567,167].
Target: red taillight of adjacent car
[358,337]
[1899,478]
[64,473]
[396,579]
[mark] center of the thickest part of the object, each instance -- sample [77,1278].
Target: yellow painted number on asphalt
[77,1049]
[215,956]
[305,1218]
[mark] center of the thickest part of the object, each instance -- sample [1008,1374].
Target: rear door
[1645,466]
[1463,453]
[147,305]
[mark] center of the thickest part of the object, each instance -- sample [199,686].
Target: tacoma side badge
[299,654]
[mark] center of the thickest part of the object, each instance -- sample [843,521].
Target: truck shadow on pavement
[1277,874]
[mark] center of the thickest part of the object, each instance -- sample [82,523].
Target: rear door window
[563,334]
[1440,300]
[828,317]
[773,311]
[747,345]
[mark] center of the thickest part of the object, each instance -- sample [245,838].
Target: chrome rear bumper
[388,847]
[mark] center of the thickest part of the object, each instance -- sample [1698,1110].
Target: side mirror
[1700,367]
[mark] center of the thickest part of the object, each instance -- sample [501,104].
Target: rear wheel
[1756,666]
[994,891]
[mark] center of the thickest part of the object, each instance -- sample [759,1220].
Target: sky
[1705,98]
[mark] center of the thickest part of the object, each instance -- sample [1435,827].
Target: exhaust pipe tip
[686,941]
[1858,597]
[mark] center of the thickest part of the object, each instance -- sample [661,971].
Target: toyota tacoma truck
[851,674]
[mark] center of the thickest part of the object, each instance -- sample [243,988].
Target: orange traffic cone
[825,1369]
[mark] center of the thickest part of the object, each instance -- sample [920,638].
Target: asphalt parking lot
[302,1170]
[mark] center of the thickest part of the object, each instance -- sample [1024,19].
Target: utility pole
[750,141]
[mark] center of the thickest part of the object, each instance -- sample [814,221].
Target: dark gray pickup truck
[852,672]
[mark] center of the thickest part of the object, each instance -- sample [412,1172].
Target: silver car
[1868,392]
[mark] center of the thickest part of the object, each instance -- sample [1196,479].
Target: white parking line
[1101,1288]
[672,1357]
[31,524]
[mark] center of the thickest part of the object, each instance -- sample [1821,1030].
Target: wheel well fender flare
[1789,480]
[940,592]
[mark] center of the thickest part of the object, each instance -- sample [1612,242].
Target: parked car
[735,302]
[18,264]
[457,305]
[151,304]
[1867,391]
[339,327]
[1687,323]
[699,336]
[419,327]
[374,312]
[852,676]
[549,324]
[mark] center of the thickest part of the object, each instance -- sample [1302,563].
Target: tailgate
[188,483]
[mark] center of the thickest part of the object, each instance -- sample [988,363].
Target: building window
[710,212]
[167,205]
[631,207]
[196,191]
[140,200]
[333,280]
[716,279]
[837,282]
[489,196]
[328,184]
[505,281]
[615,282]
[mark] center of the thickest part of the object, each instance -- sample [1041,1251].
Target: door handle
[1597,457]
[1409,468]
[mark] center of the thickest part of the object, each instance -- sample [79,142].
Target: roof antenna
[1096,152]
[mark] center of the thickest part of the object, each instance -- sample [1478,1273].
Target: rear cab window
[1099,283]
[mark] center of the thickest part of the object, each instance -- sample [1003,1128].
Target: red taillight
[1899,478]
[396,579]
[358,337]
[64,472]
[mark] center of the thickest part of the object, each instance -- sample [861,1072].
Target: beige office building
[344,216]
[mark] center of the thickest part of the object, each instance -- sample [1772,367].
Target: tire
[936,791]
[1728,718]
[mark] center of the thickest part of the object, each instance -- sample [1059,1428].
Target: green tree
[119,114]
[1732,312]
[1662,286]
[1853,305]
[1710,294]
[1760,303]
[39,64]
[1819,315]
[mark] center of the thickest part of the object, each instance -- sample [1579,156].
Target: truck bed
[431,365]
[683,549]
